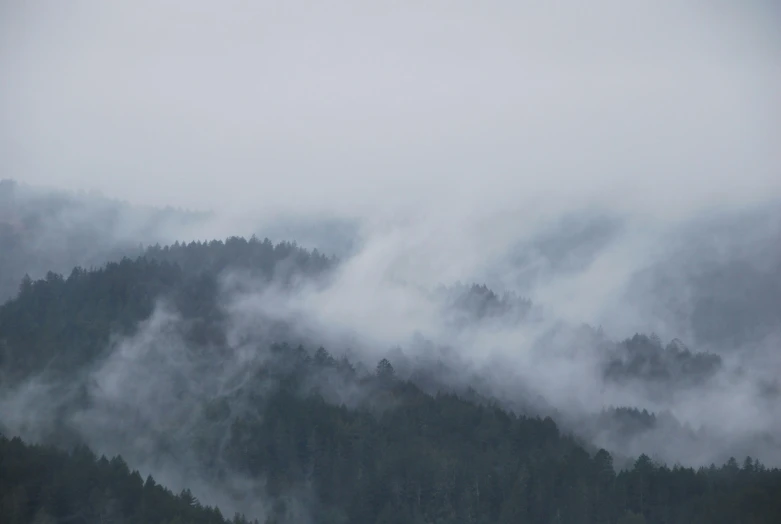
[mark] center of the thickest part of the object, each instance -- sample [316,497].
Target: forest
[317,435]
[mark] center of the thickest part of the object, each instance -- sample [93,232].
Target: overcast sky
[388,106]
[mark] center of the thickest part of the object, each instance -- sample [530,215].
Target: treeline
[259,258]
[43,230]
[59,323]
[44,485]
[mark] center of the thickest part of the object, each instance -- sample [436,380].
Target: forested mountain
[63,321]
[403,457]
[66,322]
[290,433]
[716,283]
[43,230]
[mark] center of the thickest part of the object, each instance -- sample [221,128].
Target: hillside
[46,485]
[149,358]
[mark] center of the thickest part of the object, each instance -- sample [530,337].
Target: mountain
[149,358]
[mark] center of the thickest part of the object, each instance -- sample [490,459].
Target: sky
[384,109]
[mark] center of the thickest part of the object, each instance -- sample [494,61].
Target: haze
[446,108]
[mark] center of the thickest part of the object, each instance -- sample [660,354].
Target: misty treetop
[259,258]
[403,455]
[43,230]
[643,357]
[63,322]
[479,302]
[45,485]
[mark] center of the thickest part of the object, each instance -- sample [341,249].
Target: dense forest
[65,322]
[46,485]
[319,437]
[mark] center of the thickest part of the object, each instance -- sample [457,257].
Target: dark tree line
[42,230]
[259,258]
[479,302]
[43,485]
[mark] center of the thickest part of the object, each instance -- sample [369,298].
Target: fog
[451,133]
[378,109]
[617,165]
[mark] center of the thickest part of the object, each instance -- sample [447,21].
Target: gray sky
[367,107]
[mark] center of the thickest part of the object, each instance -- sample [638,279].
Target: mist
[384,109]
[449,137]
[617,166]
